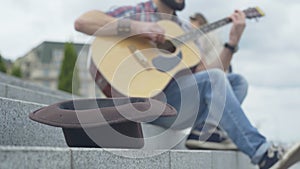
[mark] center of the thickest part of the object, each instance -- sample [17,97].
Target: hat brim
[82,120]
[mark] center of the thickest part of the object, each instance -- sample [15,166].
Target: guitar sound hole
[167,47]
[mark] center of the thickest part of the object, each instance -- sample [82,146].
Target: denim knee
[242,81]
[240,85]
[214,74]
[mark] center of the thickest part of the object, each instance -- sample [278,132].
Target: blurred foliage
[2,65]
[68,79]
[16,71]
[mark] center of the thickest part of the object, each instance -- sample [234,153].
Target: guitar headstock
[254,13]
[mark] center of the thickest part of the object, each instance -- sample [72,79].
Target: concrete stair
[79,158]
[19,93]
[18,130]
[27,85]
[28,144]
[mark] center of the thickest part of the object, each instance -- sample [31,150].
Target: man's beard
[174,5]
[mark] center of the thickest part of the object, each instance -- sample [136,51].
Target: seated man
[215,100]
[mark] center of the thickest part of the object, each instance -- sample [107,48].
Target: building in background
[42,64]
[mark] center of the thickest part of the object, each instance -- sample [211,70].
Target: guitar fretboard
[196,33]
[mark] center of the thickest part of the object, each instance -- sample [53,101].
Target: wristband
[124,27]
[232,48]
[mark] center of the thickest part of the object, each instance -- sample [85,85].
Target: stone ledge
[28,85]
[18,93]
[47,157]
[17,129]
[34,157]
[157,137]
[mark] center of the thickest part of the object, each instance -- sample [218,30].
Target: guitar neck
[196,33]
[210,27]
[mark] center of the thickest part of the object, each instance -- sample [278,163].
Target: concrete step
[18,93]
[157,137]
[28,85]
[18,130]
[28,144]
[78,158]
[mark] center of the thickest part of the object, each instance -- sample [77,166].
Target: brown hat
[103,122]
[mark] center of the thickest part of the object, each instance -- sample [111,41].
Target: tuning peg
[260,11]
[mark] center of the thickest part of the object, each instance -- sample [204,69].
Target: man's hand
[239,24]
[149,30]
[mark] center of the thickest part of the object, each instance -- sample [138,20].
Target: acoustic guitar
[137,67]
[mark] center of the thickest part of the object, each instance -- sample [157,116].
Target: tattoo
[124,27]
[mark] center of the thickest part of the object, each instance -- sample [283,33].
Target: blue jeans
[212,96]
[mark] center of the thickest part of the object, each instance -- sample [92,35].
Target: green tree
[2,65]
[69,76]
[16,71]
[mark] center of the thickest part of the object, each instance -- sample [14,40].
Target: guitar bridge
[139,56]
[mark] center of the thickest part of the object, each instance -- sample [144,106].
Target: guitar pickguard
[165,64]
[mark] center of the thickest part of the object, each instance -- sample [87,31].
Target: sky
[268,56]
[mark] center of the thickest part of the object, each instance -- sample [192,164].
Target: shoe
[213,139]
[276,158]
[271,157]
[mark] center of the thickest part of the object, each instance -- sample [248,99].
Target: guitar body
[136,67]
[133,66]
